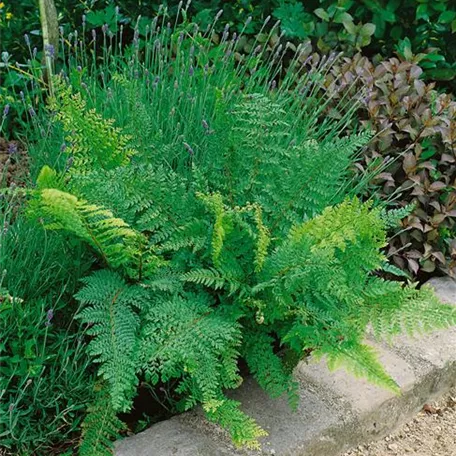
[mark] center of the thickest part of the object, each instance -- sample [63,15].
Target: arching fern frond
[92,141]
[100,428]
[393,309]
[185,338]
[109,308]
[267,367]
[360,360]
[243,430]
[111,237]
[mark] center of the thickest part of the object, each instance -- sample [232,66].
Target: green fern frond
[391,269]
[393,309]
[93,142]
[186,338]
[263,235]
[49,178]
[267,367]
[208,277]
[360,360]
[214,202]
[100,428]
[393,217]
[111,237]
[109,308]
[243,430]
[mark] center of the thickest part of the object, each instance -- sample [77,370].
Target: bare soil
[13,163]
[431,433]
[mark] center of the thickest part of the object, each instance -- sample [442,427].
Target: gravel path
[431,433]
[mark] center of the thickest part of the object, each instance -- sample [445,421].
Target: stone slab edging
[336,411]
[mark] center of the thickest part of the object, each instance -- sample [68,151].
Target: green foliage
[225,221]
[111,237]
[259,247]
[100,427]
[45,373]
[93,142]
[114,325]
[241,427]
[424,29]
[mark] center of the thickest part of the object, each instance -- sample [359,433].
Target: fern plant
[231,230]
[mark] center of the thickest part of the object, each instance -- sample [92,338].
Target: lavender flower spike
[50,51]
[49,317]
[189,148]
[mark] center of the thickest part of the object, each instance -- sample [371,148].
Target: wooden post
[50,30]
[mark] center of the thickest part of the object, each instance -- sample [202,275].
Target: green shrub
[223,216]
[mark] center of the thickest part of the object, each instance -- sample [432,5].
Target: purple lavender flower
[79,68]
[218,15]
[189,148]
[32,112]
[34,52]
[49,317]
[27,40]
[94,34]
[49,50]
[69,163]
[206,127]
[6,110]
[63,147]
[21,93]
[12,148]
[225,32]
[191,70]
[104,28]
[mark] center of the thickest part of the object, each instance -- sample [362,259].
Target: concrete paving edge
[336,411]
